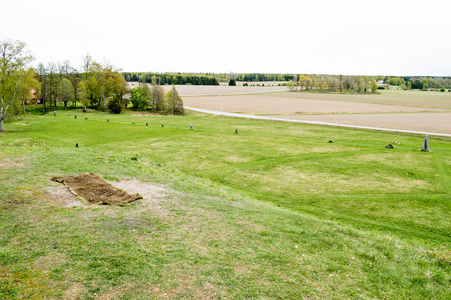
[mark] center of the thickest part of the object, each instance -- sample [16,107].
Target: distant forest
[406,82]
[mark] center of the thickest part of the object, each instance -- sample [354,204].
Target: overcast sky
[285,36]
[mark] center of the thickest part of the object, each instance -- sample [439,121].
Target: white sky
[285,36]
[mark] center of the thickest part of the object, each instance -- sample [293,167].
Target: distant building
[381,83]
[31,99]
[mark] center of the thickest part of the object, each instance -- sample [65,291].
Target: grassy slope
[347,219]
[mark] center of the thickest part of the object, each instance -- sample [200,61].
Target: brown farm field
[395,109]
[413,98]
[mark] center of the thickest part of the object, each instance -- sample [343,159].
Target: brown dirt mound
[94,189]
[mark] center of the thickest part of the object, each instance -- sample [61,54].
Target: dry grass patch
[236,159]
[11,163]
[73,293]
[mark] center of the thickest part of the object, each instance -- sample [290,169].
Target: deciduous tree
[66,91]
[175,102]
[14,58]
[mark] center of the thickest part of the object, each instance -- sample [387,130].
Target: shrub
[245,84]
[381,87]
[442,90]
[232,82]
[114,105]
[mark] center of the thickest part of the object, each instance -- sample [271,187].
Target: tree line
[92,86]
[203,78]
[421,83]
[363,84]
[95,85]
[172,78]
[330,83]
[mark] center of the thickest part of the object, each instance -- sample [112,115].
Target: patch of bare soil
[152,194]
[94,189]
[60,195]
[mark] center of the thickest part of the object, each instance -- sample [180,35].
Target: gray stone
[425,146]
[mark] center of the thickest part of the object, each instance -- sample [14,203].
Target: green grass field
[274,212]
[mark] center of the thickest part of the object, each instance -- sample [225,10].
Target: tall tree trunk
[65,105]
[1,124]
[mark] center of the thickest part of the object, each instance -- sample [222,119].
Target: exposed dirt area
[269,104]
[93,189]
[60,195]
[152,194]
